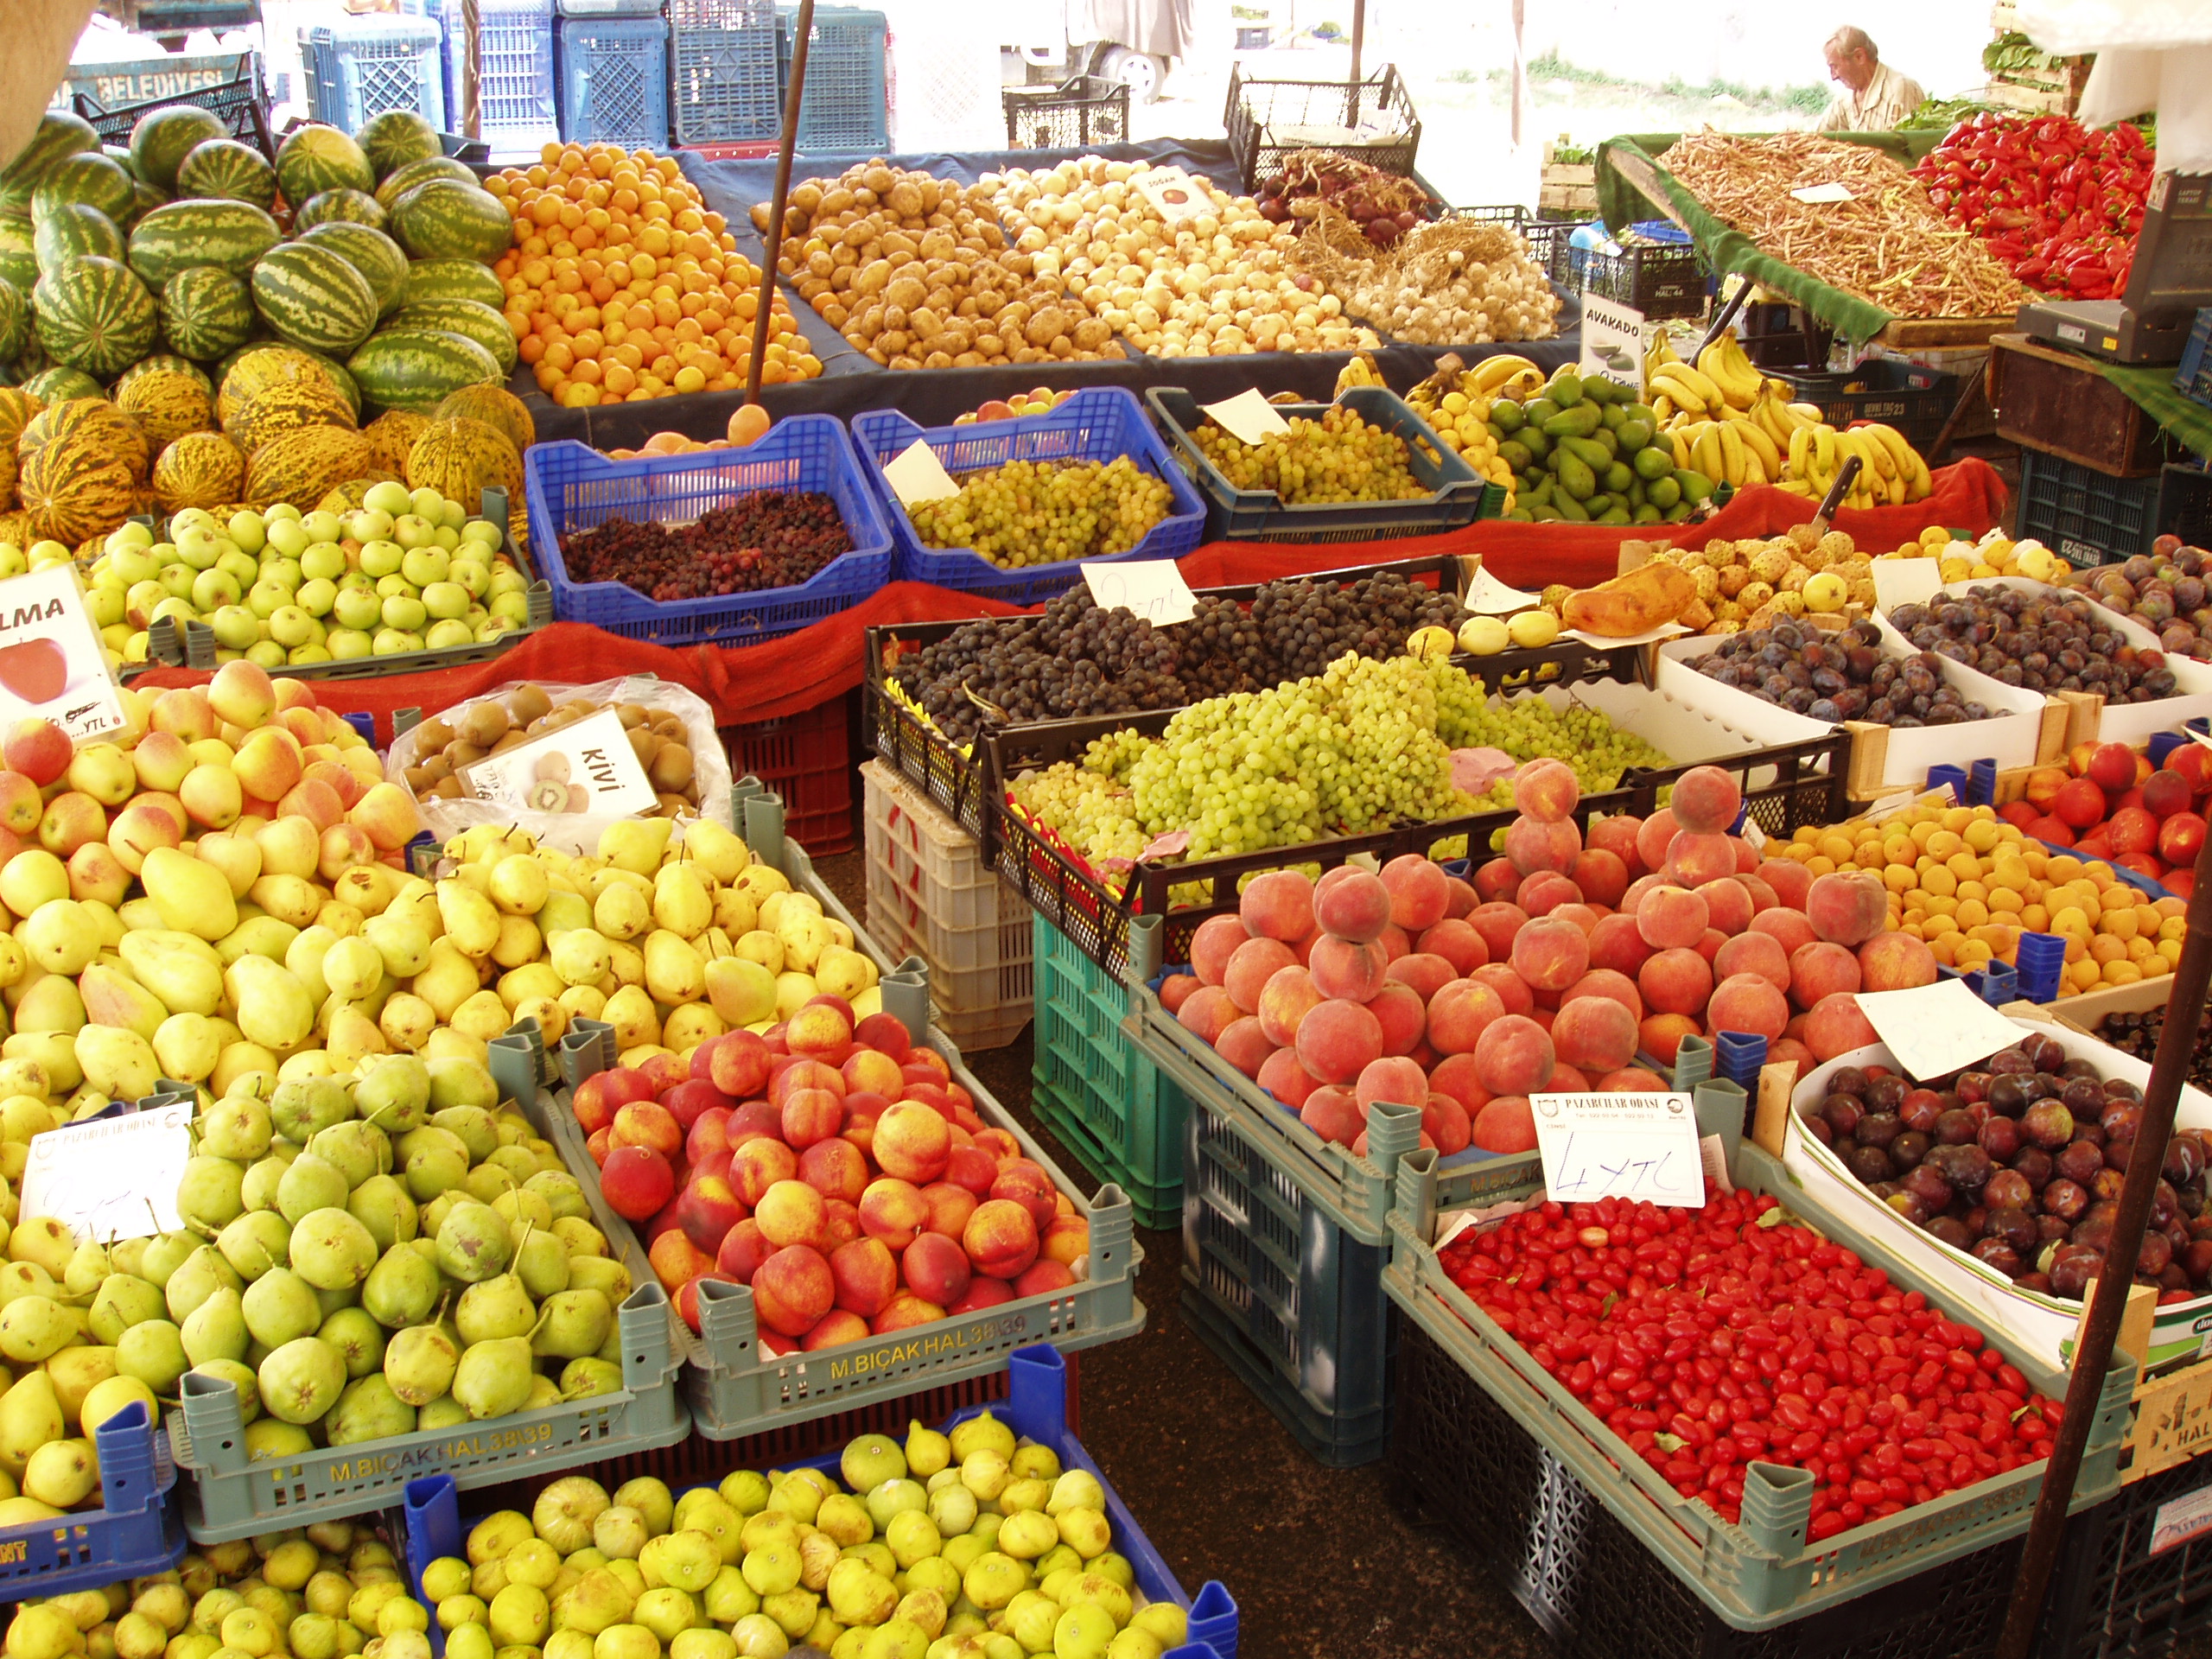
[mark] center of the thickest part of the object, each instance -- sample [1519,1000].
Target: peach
[906,1312]
[893,1210]
[792,1289]
[1458,1076]
[1425,973]
[1847,908]
[1585,917]
[1513,1055]
[1208,1011]
[1709,943]
[841,1224]
[1546,790]
[791,1073]
[1661,1034]
[1508,987]
[649,1124]
[821,1032]
[1672,917]
[1617,943]
[867,1071]
[636,1181]
[707,1208]
[1395,942]
[1790,879]
[1282,1076]
[1000,1143]
[1337,1040]
[1545,891]
[1352,904]
[1460,897]
[709,1135]
[983,1291]
[1460,1011]
[740,1064]
[1617,835]
[834,1168]
[912,1143]
[1654,836]
[1213,945]
[1250,966]
[1747,856]
[1398,1080]
[1532,845]
[1550,955]
[1418,893]
[1343,969]
[1444,1123]
[1175,990]
[1600,875]
[936,1268]
[1044,1277]
[1754,953]
[1728,904]
[1820,970]
[1397,1008]
[861,1112]
[1287,997]
[675,1261]
[1496,881]
[1630,1080]
[1567,1080]
[664,1071]
[691,1100]
[1497,922]
[972,1167]
[1066,1240]
[1790,1050]
[834,1330]
[866,1277]
[1606,982]
[1895,962]
[1506,1124]
[758,1165]
[744,1247]
[791,1212]
[1278,906]
[1762,896]
[1455,940]
[1333,1113]
[1245,1045]
[1834,1026]
[1706,801]
[809,1116]
[1000,1238]
[949,1207]
[1596,1034]
[1787,928]
[1676,981]
[1747,1003]
[886,1033]
[1695,859]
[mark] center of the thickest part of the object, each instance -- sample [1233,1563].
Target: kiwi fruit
[670,769]
[528,704]
[459,739]
[485,724]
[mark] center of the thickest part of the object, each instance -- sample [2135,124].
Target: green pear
[401,1288]
[474,1127]
[76,1371]
[472,1242]
[542,1263]
[369,1409]
[497,1306]
[30,1416]
[215,1330]
[123,1301]
[254,1242]
[191,896]
[302,1379]
[280,1307]
[355,1149]
[164,1255]
[303,1108]
[202,1274]
[383,1204]
[331,1250]
[395,1094]
[419,1362]
[236,1127]
[357,1338]
[493,1378]
[270,1440]
[209,1193]
[273,1007]
[153,1353]
[311,1183]
[241,1378]
[181,969]
[120,1064]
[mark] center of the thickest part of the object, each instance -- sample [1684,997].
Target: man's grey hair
[1850,38]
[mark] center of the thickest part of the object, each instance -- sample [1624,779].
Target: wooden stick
[794,93]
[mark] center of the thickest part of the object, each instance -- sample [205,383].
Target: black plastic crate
[2185,504]
[2086,516]
[1914,400]
[241,103]
[1082,111]
[1660,279]
[2135,1579]
[1262,116]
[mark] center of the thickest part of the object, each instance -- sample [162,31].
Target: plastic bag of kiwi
[671,730]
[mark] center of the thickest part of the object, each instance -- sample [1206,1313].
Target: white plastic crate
[984,1006]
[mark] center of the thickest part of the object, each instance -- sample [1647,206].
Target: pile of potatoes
[916,272]
[448,745]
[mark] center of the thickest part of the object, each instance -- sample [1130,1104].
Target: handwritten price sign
[1151,589]
[1641,1148]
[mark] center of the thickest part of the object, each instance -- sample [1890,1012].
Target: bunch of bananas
[1455,401]
[1890,473]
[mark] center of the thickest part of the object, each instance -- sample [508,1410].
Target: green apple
[286,571]
[405,612]
[355,582]
[413,530]
[325,560]
[425,503]
[513,608]
[235,626]
[138,604]
[179,609]
[447,634]
[201,548]
[178,580]
[356,609]
[488,631]
[317,596]
[265,596]
[389,498]
[393,642]
[396,586]
[323,526]
[484,531]
[507,579]
[444,601]
[212,589]
[454,514]
[104,602]
[134,564]
[265,652]
[368,524]
[380,559]
[307,653]
[282,510]
[289,535]
[424,565]
[289,626]
[248,529]
[129,533]
[346,643]
[12,561]
[241,565]
[447,538]
[473,575]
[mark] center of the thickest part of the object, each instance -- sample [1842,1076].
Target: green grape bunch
[1339,458]
[1031,512]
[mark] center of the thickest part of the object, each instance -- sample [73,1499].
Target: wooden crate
[1567,187]
[2057,402]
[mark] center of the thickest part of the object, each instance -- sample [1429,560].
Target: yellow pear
[626,963]
[680,901]
[53,1052]
[691,1025]
[402,941]
[61,935]
[181,969]
[518,942]
[342,919]
[109,1397]
[289,898]
[30,1416]
[13,960]
[239,1060]
[721,853]
[273,1007]
[735,910]
[257,936]
[74,1372]
[119,1063]
[713,942]
[351,969]
[804,940]
[584,1002]
[843,972]
[636,844]
[187,1046]
[448,979]
[290,846]
[62,1473]
[741,990]
[630,1012]
[407,1021]
[839,933]
[370,888]
[235,856]
[518,884]
[622,911]
[762,947]
[304,956]
[139,915]
[793,992]
[192,897]
[472,922]
[112,997]
[674,973]
[447,1043]
[354,1038]
[532,981]
[578,955]
[483,1016]
[757,880]
[53,1004]
[22,1512]
[564,908]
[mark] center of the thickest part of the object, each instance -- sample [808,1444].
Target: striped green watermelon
[165,136]
[207,312]
[58,134]
[312,298]
[316,158]
[405,178]
[231,234]
[454,279]
[479,322]
[414,368]
[72,229]
[396,137]
[444,218]
[227,170]
[161,363]
[60,383]
[337,207]
[95,314]
[370,252]
[144,198]
[90,178]
[18,253]
[15,323]
[122,157]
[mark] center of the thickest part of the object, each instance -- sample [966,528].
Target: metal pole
[2108,1300]
[802,26]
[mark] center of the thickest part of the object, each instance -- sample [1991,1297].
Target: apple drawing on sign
[37,671]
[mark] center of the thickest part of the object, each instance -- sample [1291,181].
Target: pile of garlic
[1220,284]
[1450,283]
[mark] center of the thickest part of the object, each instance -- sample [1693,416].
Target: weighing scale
[2171,278]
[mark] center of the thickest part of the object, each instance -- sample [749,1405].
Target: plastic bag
[576,832]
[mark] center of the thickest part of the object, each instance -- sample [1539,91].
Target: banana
[1725,364]
[1669,382]
[1801,444]
[1699,384]
[1776,425]
[1808,411]
[1710,454]
[1754,468]
[1731,450]
[1762,445]
[1679,440]
[1359,370]
[1877,455]
[1662,406]
[1825,442]
[1494,372]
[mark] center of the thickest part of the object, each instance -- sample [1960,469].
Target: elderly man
[1875,97]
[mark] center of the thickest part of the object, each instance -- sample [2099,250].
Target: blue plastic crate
[138,1532]
[2194,378]
[846,103]
[613,79]
[1035,1409]
[571,487]
[727,73]
[2086,516]
[515,81]
[1097,423]
[358,67]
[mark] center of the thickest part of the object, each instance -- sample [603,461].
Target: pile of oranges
[622,286]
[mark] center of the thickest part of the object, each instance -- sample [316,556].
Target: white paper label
[1151,589]
[1906,581]
[1939,1028]
[1173,194]
[1818,194]
[2186,1517]
[112,1178]
[1247,417]
[916,475]
[587,767]
[1612,341]
[51,664]
[1642,1147]
[1488,596]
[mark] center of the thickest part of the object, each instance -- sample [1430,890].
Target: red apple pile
[1564,966]
[837,1169]
[2106,802]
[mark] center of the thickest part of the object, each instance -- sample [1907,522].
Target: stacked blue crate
[518,109]
[613,77]
[358,67]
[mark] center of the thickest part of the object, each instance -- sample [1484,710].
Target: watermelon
[444,218]
[313,299]
[18,253]
[95,314]
[89,178]
[227,170]
[454,279]
[316,158]
[144,198]
[401,180]
[207,312]
[479,322]
[74,228]
[338,206]
[161,363]
[370,252]
[414,368]
[58,134]
[59,385]
[165,136]
[231,234]
[396,137]
[15,323]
